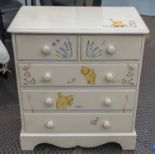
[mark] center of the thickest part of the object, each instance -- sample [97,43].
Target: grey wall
[29,1]
[88,2]
[145,7]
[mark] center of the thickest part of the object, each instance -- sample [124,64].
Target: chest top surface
[80,20]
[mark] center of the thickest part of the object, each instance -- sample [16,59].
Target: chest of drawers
[78,74]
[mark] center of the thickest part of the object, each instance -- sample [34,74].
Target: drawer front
[51,100]
[77,122]
[102,47]
[78,74]
[46,47]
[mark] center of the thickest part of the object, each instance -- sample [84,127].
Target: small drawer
[68,100]
[110,47]
[78,74]
[46,47]
[77,122]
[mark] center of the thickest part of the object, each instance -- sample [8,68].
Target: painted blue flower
[62,49]
[66,47]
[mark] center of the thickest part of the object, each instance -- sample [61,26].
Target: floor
[145,121]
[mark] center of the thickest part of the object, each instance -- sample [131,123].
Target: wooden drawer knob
[111,49]
[107,102]
[46,50]
[106,124]
[109,77]
[50,124]
[47,76]
[49,101]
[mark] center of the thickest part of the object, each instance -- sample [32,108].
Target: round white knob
[107,101]
[50,124]
[111,49]
[106,124]
[47,76]
[49,101]
[46,50]
[109,77]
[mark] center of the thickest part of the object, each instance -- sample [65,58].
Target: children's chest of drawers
[78,74]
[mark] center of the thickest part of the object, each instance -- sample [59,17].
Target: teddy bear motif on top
[118,24]
[63,102]
[89,75]
[115,23]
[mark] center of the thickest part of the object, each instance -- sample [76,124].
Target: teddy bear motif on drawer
[63,102]
[89,75]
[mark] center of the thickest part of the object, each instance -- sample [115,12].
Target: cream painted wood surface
[64,47]
[76,102]
[86,20]
[77,122]
[47,47]
[126,140]
[102,100]
[110,47]
[78,74]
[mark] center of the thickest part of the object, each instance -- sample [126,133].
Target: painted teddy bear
[89,75]
[118,24]
[64,101]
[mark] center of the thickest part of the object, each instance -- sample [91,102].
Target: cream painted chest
[78,73]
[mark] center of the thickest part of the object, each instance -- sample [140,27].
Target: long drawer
[110,47]
[78,74]
[46,47]
[52,100]
[77,122]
